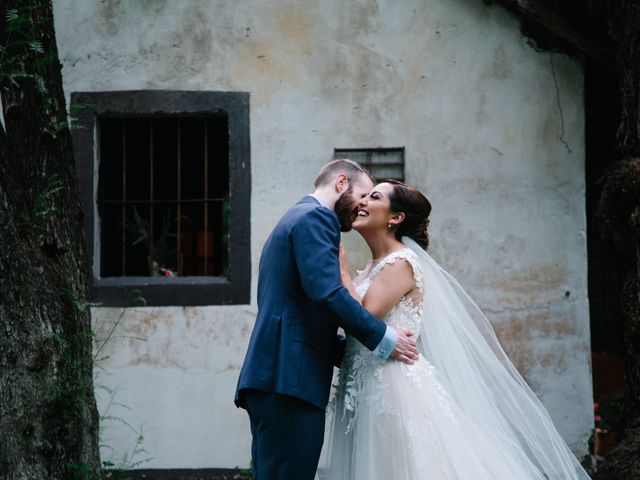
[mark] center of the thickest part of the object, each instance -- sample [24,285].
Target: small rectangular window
[165,180]
[163,196]
[381,163]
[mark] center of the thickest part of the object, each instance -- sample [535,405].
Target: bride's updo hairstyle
[416,209]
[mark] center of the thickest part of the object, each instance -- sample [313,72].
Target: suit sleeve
[315,240]
[340,347]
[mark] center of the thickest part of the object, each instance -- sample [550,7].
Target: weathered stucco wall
[453,81]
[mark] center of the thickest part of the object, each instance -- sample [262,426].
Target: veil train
[459,341]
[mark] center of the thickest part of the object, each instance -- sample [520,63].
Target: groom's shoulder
[308,209]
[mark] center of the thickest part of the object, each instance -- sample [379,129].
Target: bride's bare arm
[393,282]
[345,276]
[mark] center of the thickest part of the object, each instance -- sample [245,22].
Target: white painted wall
[455,82]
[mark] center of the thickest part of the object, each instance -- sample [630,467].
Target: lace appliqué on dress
[359,365]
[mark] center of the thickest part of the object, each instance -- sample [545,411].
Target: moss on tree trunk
[48,416]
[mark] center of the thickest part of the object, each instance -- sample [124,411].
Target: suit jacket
[301,303]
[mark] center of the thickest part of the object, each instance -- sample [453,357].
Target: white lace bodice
[408,311]
[359,363]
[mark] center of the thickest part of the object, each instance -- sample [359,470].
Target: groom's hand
[406,350]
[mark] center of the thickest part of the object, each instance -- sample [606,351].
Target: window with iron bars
[381,163]
[165,181]
[163,196]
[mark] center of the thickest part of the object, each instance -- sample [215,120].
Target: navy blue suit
[286,376]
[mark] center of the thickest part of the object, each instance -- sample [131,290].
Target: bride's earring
[388,225]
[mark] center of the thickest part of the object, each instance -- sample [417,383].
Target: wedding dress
[461,412]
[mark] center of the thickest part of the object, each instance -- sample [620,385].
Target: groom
[285,380]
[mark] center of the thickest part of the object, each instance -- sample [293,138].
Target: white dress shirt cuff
[387,344]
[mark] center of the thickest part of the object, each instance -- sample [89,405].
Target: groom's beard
[346,209]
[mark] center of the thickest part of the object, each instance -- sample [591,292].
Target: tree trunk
[618,220]
[48,416]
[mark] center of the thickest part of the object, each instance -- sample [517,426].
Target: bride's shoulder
[404,253]
[400,262]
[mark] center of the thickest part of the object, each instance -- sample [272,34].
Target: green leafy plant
[247,473]
[43,203]
[136,455]
[607,413]
[160,251]
[71,394]
[22,25]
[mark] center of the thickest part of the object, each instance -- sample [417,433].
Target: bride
[461,411]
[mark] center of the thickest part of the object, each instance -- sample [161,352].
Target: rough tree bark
[618,219]
[48,416]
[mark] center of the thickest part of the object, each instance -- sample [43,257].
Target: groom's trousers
[287,436]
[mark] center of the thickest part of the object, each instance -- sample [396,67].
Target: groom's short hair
[351,169]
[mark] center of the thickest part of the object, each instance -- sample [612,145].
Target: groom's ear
[342,182]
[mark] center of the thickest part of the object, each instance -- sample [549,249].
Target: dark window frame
[87,108]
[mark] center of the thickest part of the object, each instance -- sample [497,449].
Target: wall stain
[109,13]
[292,24]
[501,63]
[183,338]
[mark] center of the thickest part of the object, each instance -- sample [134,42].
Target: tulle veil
[458,339]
